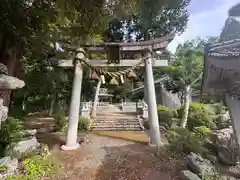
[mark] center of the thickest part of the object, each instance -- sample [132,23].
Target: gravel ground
[104,158]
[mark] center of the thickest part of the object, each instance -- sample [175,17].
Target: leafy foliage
[202,131]
[60,120]
[184,141]
[230,30]
[34,21]
[83,123]
[3,168]
[219,108]
[11,132]
[30,31]
[216,176]
[165,115]
[187,65]
[38,167]
[199,115]
[151,19]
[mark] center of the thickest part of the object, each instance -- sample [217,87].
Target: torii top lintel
[115,49]
[154,45]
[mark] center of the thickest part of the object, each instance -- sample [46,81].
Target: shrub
[166,115]
[17,112]
[11,132]
[222,121]
[60,120]
[3,168]
[184,141]
[198,115]
[219,108]
[215,176]
[202,131]
[38,167]
[83,123]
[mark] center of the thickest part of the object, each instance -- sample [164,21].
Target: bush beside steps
[17,144]
[60,122]
[31,165]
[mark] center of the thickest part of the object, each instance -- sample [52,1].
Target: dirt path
[104,158]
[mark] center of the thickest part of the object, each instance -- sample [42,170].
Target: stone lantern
[7,83]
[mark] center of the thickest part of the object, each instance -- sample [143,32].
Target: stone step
[116,117]
[116,113]
[114,123]
[116,129]
[115,120]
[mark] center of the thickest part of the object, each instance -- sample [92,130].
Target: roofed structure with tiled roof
[229,49]
[222,67]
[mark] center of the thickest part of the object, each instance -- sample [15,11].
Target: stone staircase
[116,121]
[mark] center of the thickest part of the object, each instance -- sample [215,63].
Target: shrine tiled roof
[224,49]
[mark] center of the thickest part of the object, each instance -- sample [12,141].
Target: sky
[207,18]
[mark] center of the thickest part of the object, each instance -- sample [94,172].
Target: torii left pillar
[72,132]
[155,137]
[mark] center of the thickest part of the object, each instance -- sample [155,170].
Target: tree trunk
[181,97]
[52,104]
[23,105]
[187,94]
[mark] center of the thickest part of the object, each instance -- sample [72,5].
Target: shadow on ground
[124,163]
[105,158]
[133,136]
[45,130]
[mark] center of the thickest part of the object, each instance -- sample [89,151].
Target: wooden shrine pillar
[155,138]
[94,107]
[72,132]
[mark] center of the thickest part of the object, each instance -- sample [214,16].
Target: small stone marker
[188,175]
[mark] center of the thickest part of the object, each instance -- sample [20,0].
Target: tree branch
[197,79]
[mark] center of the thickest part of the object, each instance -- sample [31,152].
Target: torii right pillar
[155,138]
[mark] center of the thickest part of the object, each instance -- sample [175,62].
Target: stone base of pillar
[69,148]
[151,142]
[93,115]
[152,145]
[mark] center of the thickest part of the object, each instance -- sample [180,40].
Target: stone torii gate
[114,53]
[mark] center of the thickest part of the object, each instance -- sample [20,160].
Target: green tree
[231,30]
[28,28]
[152,18]
[185,72]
